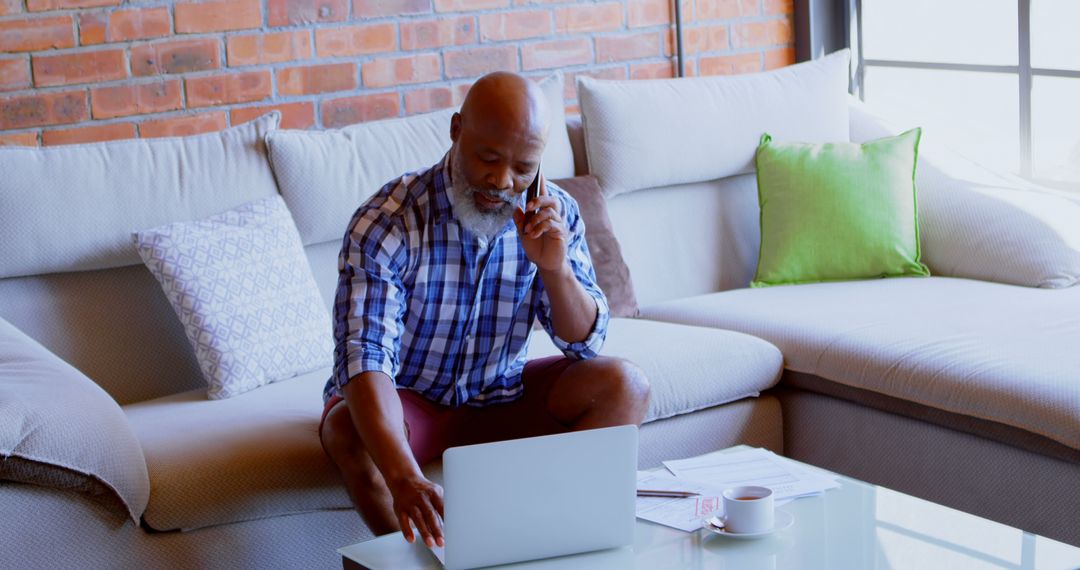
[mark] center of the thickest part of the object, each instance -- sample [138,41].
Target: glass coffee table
[858,526]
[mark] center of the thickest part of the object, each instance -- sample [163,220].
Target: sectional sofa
[961,387]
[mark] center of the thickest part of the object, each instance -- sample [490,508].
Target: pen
[666,494]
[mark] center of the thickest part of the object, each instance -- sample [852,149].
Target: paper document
[684,514]
[752,467]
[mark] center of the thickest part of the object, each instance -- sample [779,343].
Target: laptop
[539,497]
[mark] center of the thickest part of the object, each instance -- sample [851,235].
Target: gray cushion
[689,368]
[59,429]
[612,275]
[72,208]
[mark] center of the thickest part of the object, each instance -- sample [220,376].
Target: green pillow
[837,211]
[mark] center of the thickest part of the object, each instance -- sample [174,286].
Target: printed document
[710,474]
[752,467]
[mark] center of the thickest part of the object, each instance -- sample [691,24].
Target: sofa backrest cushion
[59,429]
[645,134]
[73,208]
[980,224]
[117,326]
[688,239]
[325,175]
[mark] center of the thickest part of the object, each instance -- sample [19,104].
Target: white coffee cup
[749,510]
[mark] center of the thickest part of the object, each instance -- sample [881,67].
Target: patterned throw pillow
[242,287]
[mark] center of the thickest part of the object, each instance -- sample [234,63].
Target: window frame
[1023,70]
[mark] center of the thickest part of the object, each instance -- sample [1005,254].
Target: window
[998,80]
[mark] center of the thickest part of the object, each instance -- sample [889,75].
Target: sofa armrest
[978,223]
[60,429]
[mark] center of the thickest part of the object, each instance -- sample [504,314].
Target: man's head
[499,136]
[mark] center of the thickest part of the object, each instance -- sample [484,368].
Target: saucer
[784,520]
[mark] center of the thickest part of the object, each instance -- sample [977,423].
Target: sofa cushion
[644,134]
[980,224]
[242,288]
[59,429]
[991,351]
[98,193]
[701,237]
[689,368]
[325,175]
[612,275]
[253,456]
[837,211]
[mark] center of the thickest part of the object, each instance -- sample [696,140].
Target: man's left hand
[544,233]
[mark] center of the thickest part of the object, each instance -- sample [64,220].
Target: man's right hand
[377,414]
[420,501]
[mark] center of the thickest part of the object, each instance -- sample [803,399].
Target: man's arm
[376,412]
[367,328]
[578,311]
[573,310]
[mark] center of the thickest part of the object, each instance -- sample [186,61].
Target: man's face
[491,167]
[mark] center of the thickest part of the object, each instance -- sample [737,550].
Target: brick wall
[86,70]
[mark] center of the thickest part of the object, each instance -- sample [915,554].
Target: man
[442,274]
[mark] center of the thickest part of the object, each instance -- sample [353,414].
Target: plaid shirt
[440,310]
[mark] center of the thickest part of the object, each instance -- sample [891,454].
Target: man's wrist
[401,474]
[561,273]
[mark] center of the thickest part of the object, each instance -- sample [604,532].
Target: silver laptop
[539,497]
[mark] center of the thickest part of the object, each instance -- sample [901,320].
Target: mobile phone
[534,189]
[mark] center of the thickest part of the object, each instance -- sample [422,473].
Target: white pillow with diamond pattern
[245,294]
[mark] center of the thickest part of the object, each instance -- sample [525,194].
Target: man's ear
[455,127]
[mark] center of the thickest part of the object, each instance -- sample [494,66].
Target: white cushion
[991,351]
[980,224]
[325,175]
[72,208]
[644,134]
[253,456]
[241,285]
[689,368]
[702,237]
[59,429]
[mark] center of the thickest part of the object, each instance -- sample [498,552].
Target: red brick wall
[87,70]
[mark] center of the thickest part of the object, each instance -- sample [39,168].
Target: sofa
[959,388]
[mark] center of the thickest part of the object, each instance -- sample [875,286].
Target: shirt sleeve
[370,301]
[582,267]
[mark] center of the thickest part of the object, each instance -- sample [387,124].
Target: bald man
[441,276]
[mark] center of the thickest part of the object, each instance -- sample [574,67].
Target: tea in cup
[749,510]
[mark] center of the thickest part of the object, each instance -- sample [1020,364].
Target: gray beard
[474,220]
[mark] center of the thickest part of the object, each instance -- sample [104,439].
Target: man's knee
[339,437]
[626,380]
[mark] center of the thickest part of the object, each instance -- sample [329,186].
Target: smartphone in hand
[533,192]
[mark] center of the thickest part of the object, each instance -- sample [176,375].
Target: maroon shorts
[432,427]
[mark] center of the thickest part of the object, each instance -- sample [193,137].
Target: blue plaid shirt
[438,309]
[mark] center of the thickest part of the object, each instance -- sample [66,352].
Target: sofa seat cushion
[253,456]
[995,352]
[689,368]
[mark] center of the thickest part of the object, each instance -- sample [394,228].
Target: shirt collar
[441,178]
